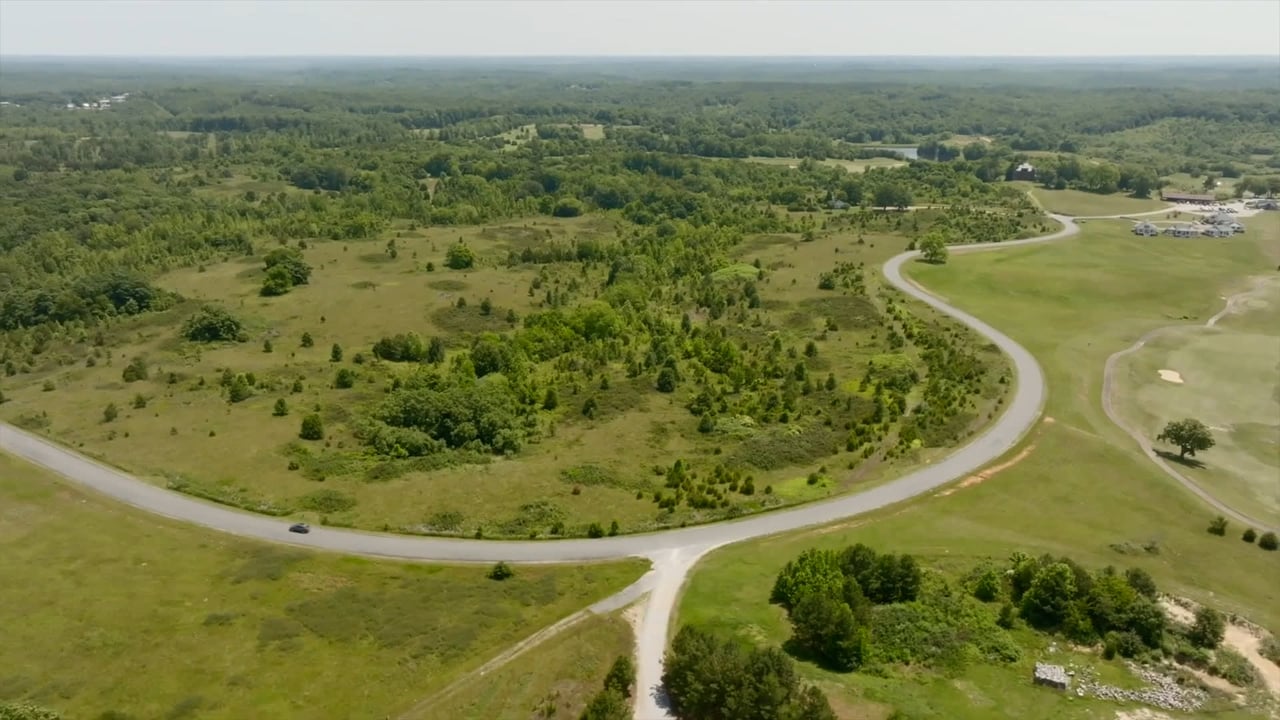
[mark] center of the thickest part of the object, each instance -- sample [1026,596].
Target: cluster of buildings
[1219,224]
[101,104]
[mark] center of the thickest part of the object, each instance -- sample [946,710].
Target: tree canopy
[1189,435]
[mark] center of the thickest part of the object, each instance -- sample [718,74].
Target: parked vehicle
[301,528]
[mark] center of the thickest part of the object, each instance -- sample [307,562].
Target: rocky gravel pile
[1162,691]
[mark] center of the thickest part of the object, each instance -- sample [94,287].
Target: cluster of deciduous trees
[711,679]
[828,596]
[1058,595]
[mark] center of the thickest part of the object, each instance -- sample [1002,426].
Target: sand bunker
[1172,376]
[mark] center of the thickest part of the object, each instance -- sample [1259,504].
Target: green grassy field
[106,609]
[1078,486]
[582,471]
[1185,183]
[1229,382]
[1079,203]
[557,678]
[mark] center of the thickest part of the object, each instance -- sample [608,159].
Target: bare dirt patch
[1247,644]
[989,472]
[1172,376]
[1238,638]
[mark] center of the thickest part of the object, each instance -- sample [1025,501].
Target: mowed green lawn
[1082,489]
[1084,204]
[1229,381]
[104,608]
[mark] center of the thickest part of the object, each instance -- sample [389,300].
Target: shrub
[1249,535]
[212,324]
[312,428]
[335,353]
[288,263]
[608,704]
[1268,541]
[1233,667]
[239,389]
[136,370]
[307,340]
[139,401]
[110,413]
[1218,526]
[1126,644]
[276,282]
[281,409]
[435,351]
[459,256]
[816,572]
[666,380]
[402,347]
[1270,649]
[267,346]
[344,379]
[1208,628]
[622,675]
[594,530]
[501,571]
[987,586]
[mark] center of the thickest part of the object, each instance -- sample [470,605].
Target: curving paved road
[1021,412]
[672,552]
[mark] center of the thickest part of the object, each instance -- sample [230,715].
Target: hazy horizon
[628,29]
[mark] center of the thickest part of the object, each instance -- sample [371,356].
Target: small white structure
[1182,231]
[1054,676]
[1216,231]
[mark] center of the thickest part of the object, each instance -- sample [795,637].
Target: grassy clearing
[1229,382]
[592,131]
[853,166]
[182,433]
[555,679]
[1080,203]
[515,137]
[238,185]
[107,609]
[1081,488]
[1185,183]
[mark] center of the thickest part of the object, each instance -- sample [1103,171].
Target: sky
[239,28]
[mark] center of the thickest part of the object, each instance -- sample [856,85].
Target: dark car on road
[300,528]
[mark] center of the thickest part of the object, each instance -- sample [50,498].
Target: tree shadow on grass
[1178,459]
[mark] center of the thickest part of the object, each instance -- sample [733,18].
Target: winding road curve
[1021,412]
[672,552]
